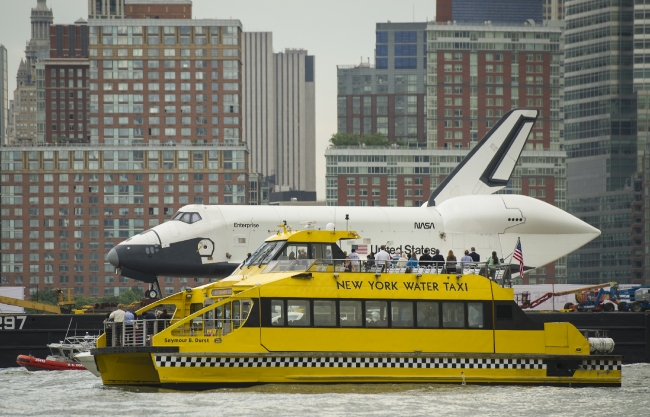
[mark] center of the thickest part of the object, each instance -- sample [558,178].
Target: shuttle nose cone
[113,258]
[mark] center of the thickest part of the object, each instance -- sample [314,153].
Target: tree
[132,295]
[47,296]
[352,139]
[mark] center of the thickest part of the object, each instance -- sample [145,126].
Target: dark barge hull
[40,329]
[630,331]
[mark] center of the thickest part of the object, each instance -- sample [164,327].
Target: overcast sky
[336,32]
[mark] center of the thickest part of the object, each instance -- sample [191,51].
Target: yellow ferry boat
[290,314]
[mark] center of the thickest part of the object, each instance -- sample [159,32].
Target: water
[79,393]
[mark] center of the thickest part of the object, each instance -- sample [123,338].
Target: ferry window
[298,313]
[245,309]
[265,253]
[319,251]
[428,314]
[236,314]
[475,315]
[227,322]
[376,313]
[277,312]
[324,313]
[209,322]
[504,312]
[350,313]
[294,251]
[401,314]
[453,315]
[197,322]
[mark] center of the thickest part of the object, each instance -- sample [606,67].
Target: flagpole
[521,274]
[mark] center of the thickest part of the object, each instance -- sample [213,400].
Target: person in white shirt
[382,258]
[117,316]
[354,258]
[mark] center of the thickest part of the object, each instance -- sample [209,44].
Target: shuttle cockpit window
[188,218]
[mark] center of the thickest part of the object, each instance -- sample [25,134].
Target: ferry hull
[127,369]
[630,331]
[197,371]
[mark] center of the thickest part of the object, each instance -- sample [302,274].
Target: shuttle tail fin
[487,167]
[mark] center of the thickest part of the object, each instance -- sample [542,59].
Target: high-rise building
[258,101]
[106,9]
[64,207]
[502,11]
[11,122]
[184,72]
[471,75]
[295,126]
[279,112]
[26,113]
[158,103]
[24,106]
[553,9]
[4,95]
[66,96]
[388,98]
[601,134]
[38,47]
[139,9]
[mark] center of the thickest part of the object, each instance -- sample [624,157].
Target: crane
[48,308]
[525,302]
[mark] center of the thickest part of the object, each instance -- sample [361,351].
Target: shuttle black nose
[113,258]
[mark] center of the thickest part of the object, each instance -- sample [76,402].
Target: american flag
[518,255]
[361,249]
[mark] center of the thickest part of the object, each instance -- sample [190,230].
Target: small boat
[281,318]
[88,361]
[62,355]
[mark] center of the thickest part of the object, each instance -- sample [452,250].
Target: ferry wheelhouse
[291,314]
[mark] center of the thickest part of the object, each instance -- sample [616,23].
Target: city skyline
[291,29]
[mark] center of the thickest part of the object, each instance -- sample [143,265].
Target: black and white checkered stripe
[347,362]
[601,365]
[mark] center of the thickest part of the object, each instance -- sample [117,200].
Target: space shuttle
[211,241]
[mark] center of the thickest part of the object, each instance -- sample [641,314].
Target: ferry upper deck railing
[139,332]
[134,332]
[498,273]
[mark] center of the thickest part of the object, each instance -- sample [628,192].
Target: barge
[291,314]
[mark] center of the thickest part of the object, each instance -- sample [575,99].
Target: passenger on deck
[425,259]
[438,259]
[292,256]
[347,264]
[412,262]
[150,318]
[466,259]
[451,262]
[370,261]
[117,316]
[354,258]
[164,315]
[493,262]
[475,256]
[397,258]
[382,258]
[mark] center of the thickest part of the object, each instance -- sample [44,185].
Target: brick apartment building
[141,116]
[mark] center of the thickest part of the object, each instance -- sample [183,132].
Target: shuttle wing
[487,168]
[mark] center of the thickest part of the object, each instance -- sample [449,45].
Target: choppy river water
[79,393]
